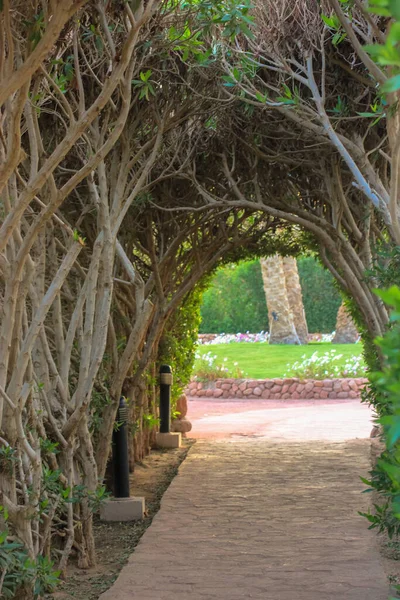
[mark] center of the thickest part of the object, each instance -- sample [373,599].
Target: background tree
[235,299]
[345,330]
[282,329]
[320,295]
[295,297]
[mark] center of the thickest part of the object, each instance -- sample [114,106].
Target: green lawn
[262,361]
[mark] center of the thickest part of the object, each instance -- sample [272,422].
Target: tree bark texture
[281,324]
[346,330]
[295,298]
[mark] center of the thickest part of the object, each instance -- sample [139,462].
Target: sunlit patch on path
[301,420]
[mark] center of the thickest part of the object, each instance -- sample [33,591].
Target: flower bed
[228,338]
[279,389]
[326,367]
[262,336]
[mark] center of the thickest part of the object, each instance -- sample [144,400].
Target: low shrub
[326,367]
[207,369]
[19,572]
[385,477]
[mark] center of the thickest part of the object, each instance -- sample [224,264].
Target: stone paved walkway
[252,519]
[282,420]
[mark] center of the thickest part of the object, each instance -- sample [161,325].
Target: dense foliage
[235,300]
[208,368]
[178,343]
[385,476]
[143,144]
[320,296]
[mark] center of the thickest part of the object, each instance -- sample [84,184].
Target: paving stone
[261,521]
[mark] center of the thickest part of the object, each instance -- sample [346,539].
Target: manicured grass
[262,361]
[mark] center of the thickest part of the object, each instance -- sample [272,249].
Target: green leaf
[383,12]
[284,100]
[332,22]
[228,81]
[4,512]
[69,71]
[340,107]
[390,296]
[394,34]
[246,31]
[367,115]
[392,84]
[379,7]
[288,92]
[327,20]
[366,481]
[151,89]
[145,76]
[261,98]
[236,74]
[384,55]
[338,38]
[392,470]
[394,8]
[99,43]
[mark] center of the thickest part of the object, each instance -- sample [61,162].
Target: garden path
[297,420]
[263,518]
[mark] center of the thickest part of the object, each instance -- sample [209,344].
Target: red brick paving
[271,517]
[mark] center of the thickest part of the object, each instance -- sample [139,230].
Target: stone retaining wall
[278,389]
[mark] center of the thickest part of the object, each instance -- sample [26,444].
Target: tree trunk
[346,331]
[281,326]
[293,290]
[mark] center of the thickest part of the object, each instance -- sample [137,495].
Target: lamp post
[122,507]
[120,452]
[165,398]
[164,438]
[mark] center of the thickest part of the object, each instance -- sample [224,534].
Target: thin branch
[347,26]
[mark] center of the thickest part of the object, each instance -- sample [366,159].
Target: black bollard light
[165,398]
[120,452]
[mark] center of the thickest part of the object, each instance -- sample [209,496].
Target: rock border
[279,389]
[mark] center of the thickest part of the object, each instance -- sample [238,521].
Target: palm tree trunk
[346,331]
[281,325]
[293,290]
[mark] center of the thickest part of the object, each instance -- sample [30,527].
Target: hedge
[235,299]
